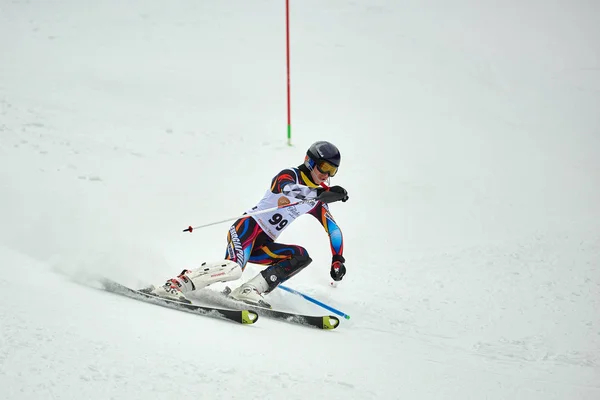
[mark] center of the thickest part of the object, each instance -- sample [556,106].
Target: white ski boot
[170,290]
[190,280]
[251,292]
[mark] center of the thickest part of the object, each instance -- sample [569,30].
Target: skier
[253,238]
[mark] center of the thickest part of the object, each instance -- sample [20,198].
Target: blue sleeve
[322,214]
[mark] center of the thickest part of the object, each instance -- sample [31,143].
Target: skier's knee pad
[298,262]
[284,270]
[212,272]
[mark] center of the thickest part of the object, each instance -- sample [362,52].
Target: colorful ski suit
[252,238]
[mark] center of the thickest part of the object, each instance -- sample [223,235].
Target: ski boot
[251,292]
[190,280]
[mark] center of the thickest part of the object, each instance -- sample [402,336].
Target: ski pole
[191,228]
[315,301]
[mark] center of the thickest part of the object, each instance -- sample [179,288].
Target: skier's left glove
[332,194]
[338,269]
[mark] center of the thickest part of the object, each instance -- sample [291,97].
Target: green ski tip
[330,322]
[249,317]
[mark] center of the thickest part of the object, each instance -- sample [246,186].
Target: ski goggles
[326,167]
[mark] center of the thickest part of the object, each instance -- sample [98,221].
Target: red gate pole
[287,42]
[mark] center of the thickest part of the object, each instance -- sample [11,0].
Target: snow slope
[470,136]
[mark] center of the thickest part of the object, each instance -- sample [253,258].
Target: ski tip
[330,322]
[347,316]
[249,317]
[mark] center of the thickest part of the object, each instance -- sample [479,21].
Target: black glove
[335,193]
[338,269]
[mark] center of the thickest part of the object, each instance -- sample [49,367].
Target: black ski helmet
[322,151]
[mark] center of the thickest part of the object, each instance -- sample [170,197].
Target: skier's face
[318,176]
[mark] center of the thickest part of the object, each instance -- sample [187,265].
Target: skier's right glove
[335,193]
[338,269]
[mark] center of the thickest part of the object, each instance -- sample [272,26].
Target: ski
[241,315]
[325,322]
